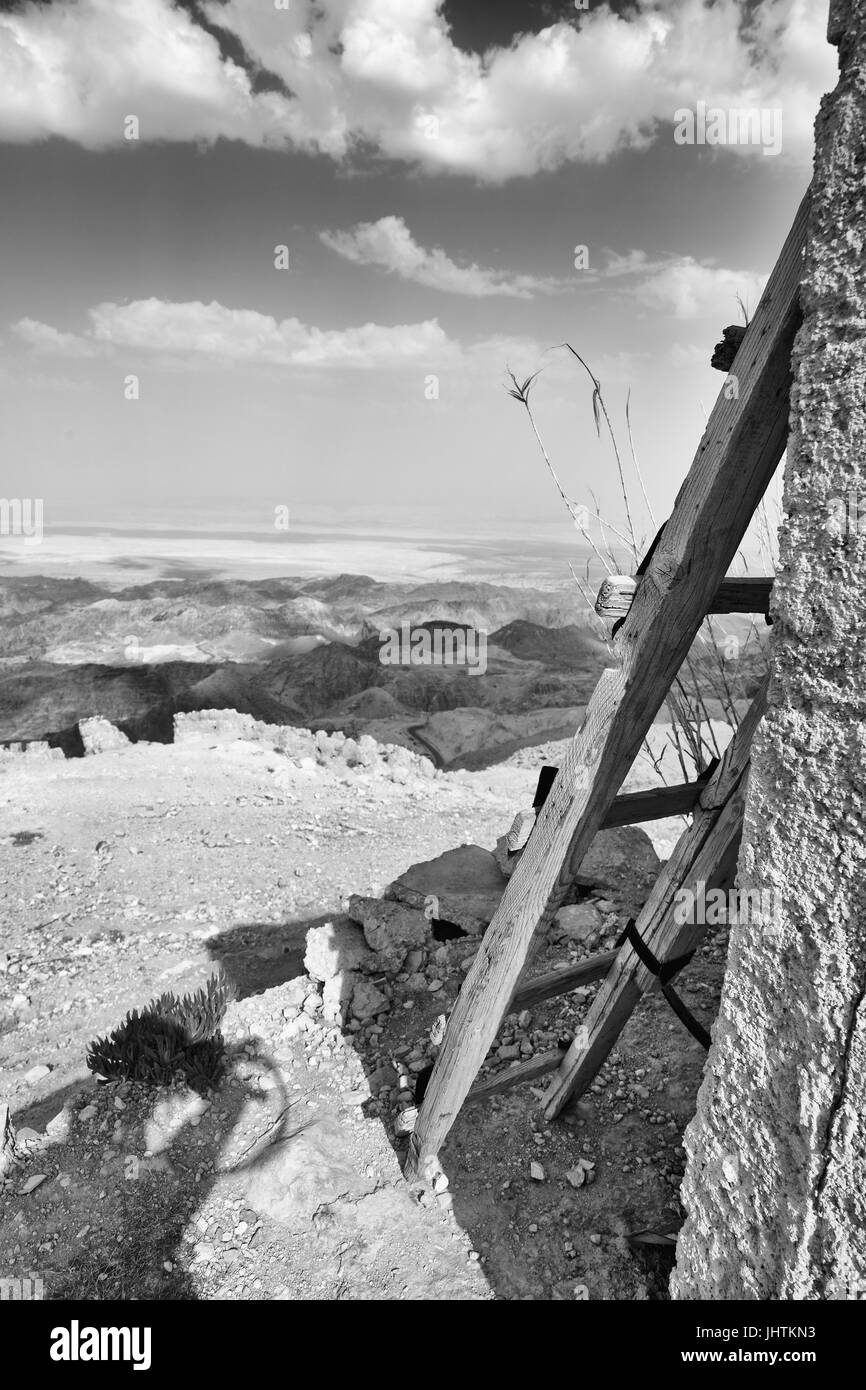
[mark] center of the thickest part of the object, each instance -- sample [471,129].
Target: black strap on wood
[545,781]
[546,778]
[664,973]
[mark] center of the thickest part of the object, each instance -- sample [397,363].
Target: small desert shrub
[169,1037]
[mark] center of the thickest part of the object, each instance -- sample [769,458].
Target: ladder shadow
[132,1243]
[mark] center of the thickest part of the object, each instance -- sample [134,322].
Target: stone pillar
[775,1183]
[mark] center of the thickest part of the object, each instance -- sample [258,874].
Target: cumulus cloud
[195,334]
[684,287]
[41,337]
[688,290]
[389,244]
[386,75]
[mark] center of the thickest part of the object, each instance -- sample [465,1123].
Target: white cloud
[41,337]
[684,287]
[386,74]
[689,290]
[390,245]
[196,334]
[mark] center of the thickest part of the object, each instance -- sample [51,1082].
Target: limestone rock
[100,735]
[334,948]
[337,996]
[36,748]
[292,994]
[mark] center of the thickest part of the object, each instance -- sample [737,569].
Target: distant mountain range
[306,652]
[295,651]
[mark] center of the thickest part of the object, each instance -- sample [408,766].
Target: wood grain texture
[616,596]
[706,851]
[633,808]
[518,1075]
[629,978]
[556,982]
[741,447]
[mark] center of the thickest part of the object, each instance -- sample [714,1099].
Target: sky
[261,256]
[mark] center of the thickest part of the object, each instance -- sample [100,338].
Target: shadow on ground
[486,1158]
[125,1222]
[535,1240]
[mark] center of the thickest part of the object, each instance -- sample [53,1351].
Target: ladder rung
[517,1075]
[561,981]
[616,595]
[633,807]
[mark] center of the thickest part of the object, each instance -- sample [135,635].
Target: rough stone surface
[368,1001]
[622,861]
[775,1185]
[36,748]
[466,884]
[302,747]
[306,1172]
[294,992]
[334,948]
[337,996]
[390,929]
[100,735]
[576,923]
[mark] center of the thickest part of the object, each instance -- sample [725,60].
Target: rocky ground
[141,869]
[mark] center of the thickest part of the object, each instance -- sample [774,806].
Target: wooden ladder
[660,613]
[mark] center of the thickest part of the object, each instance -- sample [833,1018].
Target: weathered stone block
[333,948]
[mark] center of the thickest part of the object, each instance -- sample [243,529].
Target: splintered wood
[741,447]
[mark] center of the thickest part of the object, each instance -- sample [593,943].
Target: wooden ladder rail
[705,853]
[740,450]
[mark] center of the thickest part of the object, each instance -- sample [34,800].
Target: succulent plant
[169,1037]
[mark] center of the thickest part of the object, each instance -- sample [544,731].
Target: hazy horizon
[291,253]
